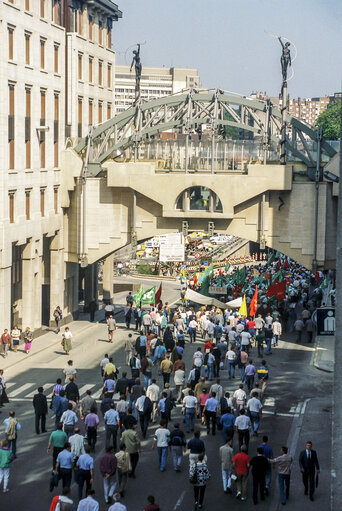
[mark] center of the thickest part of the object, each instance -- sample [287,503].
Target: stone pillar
[89,288]
[31,285]
[5,292]
[108,278]
[57,282]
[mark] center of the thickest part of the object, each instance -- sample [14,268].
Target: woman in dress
[201,473]
[67,336]
[28,338]
[15,334]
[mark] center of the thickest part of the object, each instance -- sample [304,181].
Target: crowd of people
[158,388]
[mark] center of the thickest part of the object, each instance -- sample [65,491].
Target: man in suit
[308,463]
[40,409]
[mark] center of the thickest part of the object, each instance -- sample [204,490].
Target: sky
[228,41]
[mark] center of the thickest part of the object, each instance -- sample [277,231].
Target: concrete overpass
[123,183]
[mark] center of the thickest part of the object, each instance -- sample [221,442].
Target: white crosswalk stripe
[97,394]
[45,387]
[84,388]
[21,389]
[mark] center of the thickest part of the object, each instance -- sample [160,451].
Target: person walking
[112,422]
[123,468]
[250,372]
[308,464]
[151,504]
[268,453]
[166,368]
[268,338]
[6,341]
[190,406]
[144,407]
[70,371]
[117,506]
[28,338]
[179,379]
[211,410]
[263,374]
[298,326]
[231,357]
[129,348]
[85,465]
[58,439]
[69,419]
[153,393]
[86,404]
[177,443]
[77,444]
[67,340]
[89,503]
[64,465]
[242,426]
[108,465]
[260,339]
[226,454]
[71,391]
[41,410]
[239,398]
[130,438]
[6,458]
[111,324]
[91,422]
[277,331]
[200,474]
[241,464]
[59,406]
[161,440]
[196,447]
[259,466]
[92,308]
[12,426]
[227,422]
[58,316]
[254,407]
[283,462]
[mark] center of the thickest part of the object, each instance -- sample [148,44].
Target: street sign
[197,255]
[326,321]
[205,263]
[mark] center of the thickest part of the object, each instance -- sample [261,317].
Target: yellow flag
[243,308]
[254,272]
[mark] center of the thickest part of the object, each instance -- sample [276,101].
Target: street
[297,405]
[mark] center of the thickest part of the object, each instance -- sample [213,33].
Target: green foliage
[330,121]
[145,269]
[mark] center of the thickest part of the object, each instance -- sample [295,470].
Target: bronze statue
[138,67]
[285,59]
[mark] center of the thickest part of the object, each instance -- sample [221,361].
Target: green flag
[205,286]
[226,268]
[138,295]
[272,258]
[149,296]
[242,275]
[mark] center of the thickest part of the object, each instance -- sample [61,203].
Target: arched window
[199,198]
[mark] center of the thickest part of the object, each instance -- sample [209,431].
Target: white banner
[173,253]
[203,300]
[218,290]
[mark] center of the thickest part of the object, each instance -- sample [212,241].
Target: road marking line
[270,401]
[84,388]
[45,386]
[21,389]
[180,500]
[97,394]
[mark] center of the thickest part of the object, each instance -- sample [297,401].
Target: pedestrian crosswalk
[26,391]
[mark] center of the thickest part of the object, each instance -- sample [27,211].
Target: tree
[330,121]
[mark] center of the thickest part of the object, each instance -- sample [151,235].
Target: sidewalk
[324,357]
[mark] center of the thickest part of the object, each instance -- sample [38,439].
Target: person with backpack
[199,477]
[177,443]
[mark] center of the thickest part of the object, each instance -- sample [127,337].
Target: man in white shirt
[204,326]
[153,393]
[231,357]
[242,426]
[239,397]
[191,406]
[198,358]
[103,363]
[77,444]
[192,330]
[217,388]
[276,329]
[88,504]
[69,372]
[161,440]
[254,406]
[117,506]
[179,379]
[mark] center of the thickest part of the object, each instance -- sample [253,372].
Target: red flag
[254,303]
[286,264]
[279,263]
[158,295]
[279,290]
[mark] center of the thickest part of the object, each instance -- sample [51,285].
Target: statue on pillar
[138,68]
[285,59]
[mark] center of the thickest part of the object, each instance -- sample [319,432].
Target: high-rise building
[57,76]
[156,82]
[307,110]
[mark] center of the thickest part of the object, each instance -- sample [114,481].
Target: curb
[152,277]
[316,362]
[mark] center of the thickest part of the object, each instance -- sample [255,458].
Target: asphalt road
[297,408]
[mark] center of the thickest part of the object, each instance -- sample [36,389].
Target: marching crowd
[194,395]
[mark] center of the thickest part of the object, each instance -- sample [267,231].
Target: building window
[42,53]
[100,112]
[10,43]
[109,110]
[11,207]
[28,127]
[55,58]
[42,201]
[90,112]
[42,8]
[28,203]
[55,199]
[11,143]
[79,117]
[100,32]
[91,23]
[100,72]
[42,132]
[27,49]
[80,59]
[56,131]
[91,70]
[27,5]
[56,12]
[109,76]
